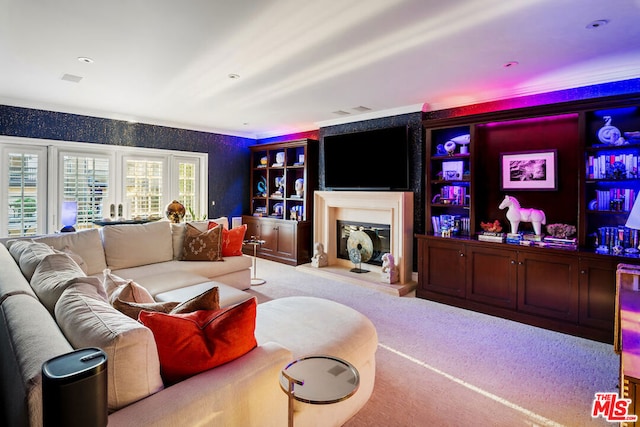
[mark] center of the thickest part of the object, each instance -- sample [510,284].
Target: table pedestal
[254,279]
[318,380]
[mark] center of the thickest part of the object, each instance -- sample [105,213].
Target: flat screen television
[370,160]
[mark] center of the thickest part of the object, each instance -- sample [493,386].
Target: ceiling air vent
[341,113]
[362,109]
[71,78]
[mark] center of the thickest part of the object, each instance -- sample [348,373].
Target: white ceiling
[168,62]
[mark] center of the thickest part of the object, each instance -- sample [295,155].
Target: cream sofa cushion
[28,254]
[52,276]
[13,281]
[33,338]
[88,320]
[86,244]
[132,245]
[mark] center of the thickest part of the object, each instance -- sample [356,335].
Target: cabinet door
[286,239]
[269,233]
[597,293]
[253,227]
[548,285]
[492,276]
[442,268]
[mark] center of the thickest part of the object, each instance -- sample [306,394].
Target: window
[23,189]
[85,179]
[188,183]
[144,188]
[130,182]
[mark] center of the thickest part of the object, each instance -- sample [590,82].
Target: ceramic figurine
[516,215]
[389,273]
[609,134]
[175,211]
[299,186]
[319,258]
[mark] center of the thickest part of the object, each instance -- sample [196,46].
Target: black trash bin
[74,389]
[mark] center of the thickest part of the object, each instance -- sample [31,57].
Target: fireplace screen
[372,239]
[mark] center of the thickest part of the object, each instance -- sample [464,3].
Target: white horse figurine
[516,214]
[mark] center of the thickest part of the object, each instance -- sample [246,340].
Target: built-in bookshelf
[449,180]
[561,283]
[612,149]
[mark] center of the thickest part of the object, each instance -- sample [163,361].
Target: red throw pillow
[194,342]
[231,239]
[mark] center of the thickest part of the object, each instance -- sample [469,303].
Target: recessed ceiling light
[511,64]
[85,59]
[234,76]
[597,24]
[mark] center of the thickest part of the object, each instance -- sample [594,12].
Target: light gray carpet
[444,366]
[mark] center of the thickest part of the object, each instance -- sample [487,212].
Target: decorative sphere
[175,211]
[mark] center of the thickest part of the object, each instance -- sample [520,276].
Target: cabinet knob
[513,261]
[583,271]
[520,263]
[461,254]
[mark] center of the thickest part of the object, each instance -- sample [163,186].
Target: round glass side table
[319,380]
[255,243]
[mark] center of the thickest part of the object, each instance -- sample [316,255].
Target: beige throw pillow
[127,290]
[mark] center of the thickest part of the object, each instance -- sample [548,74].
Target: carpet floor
[438,365]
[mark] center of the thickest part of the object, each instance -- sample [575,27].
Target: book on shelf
[608,166]
[568,246]
[531,237]
[560,241]
[491,237]
[513,238]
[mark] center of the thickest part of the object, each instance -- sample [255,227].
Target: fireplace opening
[372,240]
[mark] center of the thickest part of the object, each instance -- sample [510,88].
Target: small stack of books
[557,242]
[513,238]
[487,236]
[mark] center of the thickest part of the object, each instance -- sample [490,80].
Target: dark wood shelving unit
[283,220]
[571,291]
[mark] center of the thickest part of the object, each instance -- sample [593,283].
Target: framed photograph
[529,170]
[452,171]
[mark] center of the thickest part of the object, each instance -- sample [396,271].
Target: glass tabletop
[325,379]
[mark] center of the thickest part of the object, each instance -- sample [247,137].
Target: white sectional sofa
[71,311]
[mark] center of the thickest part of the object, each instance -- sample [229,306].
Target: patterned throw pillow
[202,246]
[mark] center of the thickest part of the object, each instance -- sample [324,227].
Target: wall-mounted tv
[370,160]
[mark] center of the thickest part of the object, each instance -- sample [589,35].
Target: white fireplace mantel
[382,207]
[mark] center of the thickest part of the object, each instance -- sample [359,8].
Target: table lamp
[69,216]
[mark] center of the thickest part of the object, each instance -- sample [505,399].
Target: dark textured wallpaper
[228,155]
[416,153]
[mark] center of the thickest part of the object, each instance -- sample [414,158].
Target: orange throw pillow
[195,342]
[231,239]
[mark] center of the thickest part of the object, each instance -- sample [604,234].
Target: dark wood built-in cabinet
[566,291]
[570,290]
[283,178]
